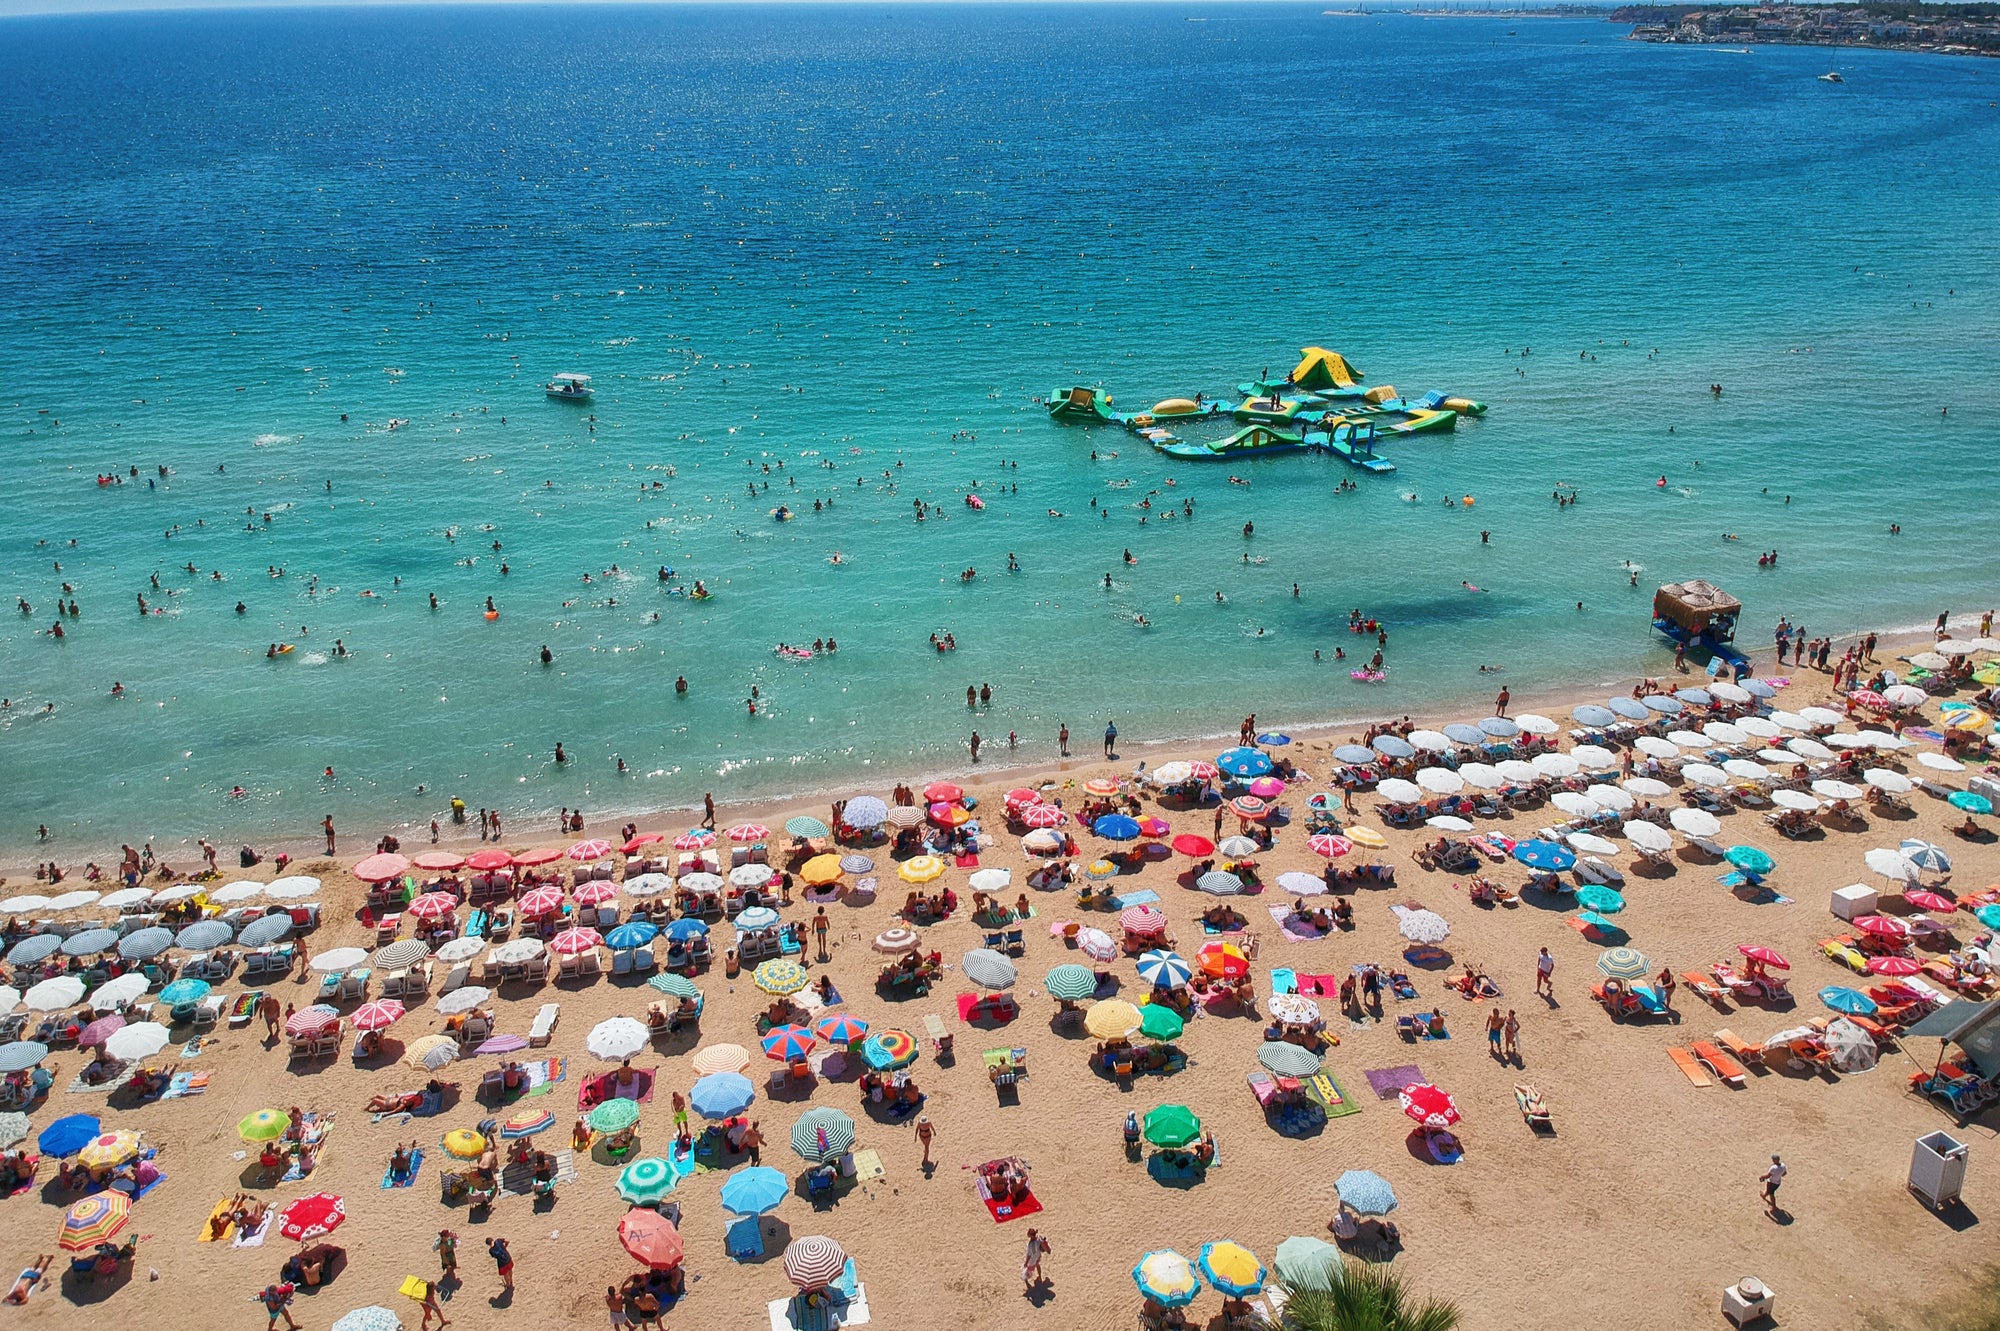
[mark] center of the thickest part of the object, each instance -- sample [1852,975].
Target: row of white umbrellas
[283,889]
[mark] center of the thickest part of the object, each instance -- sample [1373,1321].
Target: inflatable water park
[1320,407]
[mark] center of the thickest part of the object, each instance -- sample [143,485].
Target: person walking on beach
[1500,703]
[1031,1263]
[447,1251]
[1062,741]
[973,744]
[1510,1043]
[925,1135]
[432,1308]
[267,1008]
[326,825]
[1110,740]
[708,810]
[504,1260]
[1545,974]
[1772,1177]
[277,1301]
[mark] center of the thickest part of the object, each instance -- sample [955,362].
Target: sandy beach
[1639,1208]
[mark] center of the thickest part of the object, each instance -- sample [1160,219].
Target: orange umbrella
[1223,959]
[651,1239]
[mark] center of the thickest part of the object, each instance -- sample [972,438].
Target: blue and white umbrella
[1461,733]
[865,813]
[1353,755]
[21,1055]
[204,934]
[1394,747]
[856,864]
[1242,762]
[1164,969]
[754,1191]
[687,929]
[1594,716]
[145,944]
[1757,688]
[722,1094]
[1365,1192]
[1219,884]
[1925,855]
[1116,827]
[37,947]
[1544,855]
[1696,697]
[372,1318]
[632,933]
[757,918]
[89,942]
[1275,740]
[1629,708]
[1499,727]
[265,930]
[1661,703]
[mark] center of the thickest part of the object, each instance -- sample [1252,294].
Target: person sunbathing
[246,1213]
[399,1159]
[30,1279]
[1436,1023]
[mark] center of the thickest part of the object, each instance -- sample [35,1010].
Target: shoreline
[1552,700]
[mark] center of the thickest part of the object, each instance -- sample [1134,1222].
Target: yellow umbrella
[464,1143]
[780,977]
[820,870]
[1366,836]
[720,1058]
[921,869]
[109,1150]
[1113,1019]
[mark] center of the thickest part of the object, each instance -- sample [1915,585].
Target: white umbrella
[1929,661]
[1481,776]
[1440,780]
[1302,884]
[1778,757]
[123,897]
[1653,746]
[1424,926]
[1847,741]
[1172,774]
[1695,822]
[1937,762]
[1895,783]
[1794,799]
[1430,741]
[1041,842]
[617,1038]
[1759,727]
[1724,733]
[1891,864]
[10,998]
[1594,757]
[1702,774]
[1647,837]
[1513,769]
[61,992]
[1534,724]
[339,959]
[1837,790]
[990,880]
[751,875]
[1398,791]
[1293,1009]
[27,901]
[1905,695]
[178,892]
[1573,804]
[1791,721]
[287,889]
[241,890]
[1809,748]
[1728,692]
[83,896]
[518,950]
[1096,944]
[1953,647]
[461,949]
[1746,770]
[1882,739]
[463,1000]
[141,1039]
[1689,739]
[649,885]
[1444,822]
[706,884]
[1612,798]
[1237,847]
[1646,787]
[1820,716]
[1555,764]
[1595,845]
[114,993]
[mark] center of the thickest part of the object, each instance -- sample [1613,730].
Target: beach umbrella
[1243,763]
[1429,741]
[1219,884]
[1704,774]
[1429,1105]
[464,999]
[1369,837]
[96,1219]
[617,1038]
[841,1028]
[788,1044]
[1516,771]
[1534,724]
[1594,716]
[380,868]
[1575,804]
[1171,1125]
[1096,944]
[1142,920]
[1749,859]
[140,1039]
[402,953]
[265,930]
[1544,855]
[97,1032]
[1460,732]
[1745,770]
[13,1129]
[694,839]
[650,885]
[821,870]
[1937,762]
[596,893]
[1287,1060]
[1925,855]
[1611,797]
[1225,960]
[904,816]
[1167,1278]
[1594,757]
[754,1191]
[1157,1022]
[1071,981]
[921,869]
[1723,732]
[651,1238]
[1969,802]
[780,976]
[108,1150]
[1894,966]
[596,848]
[68,1135]
[378,1014]
[814,1262]
[1629,708]
[1329,845]
[229,894]
[1306,1263]
[987,969]
[896,939]
[643,1182]
[714,1058]
[540,901]
[1398,791]
[756,919]
[1238,847]
[50,995]
[39,947]
[1605,901]
[1688,739]
[613,1115]
[1695,697]
[1895,783]
[1354,755]
[1392,746]
[1728,692]
[145,944]
[1816,716]
[1116,827]
[83,896]
[686,929]
[822,1134]
[539,855]
[1929,900]
[1113,1019]
[32,901]
[115,993]
[20,1055]
[488,861]
[1891,864]
[1850,1001]
[1759,953]
[806,827]
[312,1020]
[431,1052]
[1232,1268]
[1302,884]
[744,834]
[1162,969]
[1796,800]
[888,1049]
[1481,776]
[1759,727]
[1294,1009]
[864,813]
[183,991]
[1695,822]
[1042,817]
[1624,963]
[1882,926]
[721,1095]
[312,1217]
[1250,808]
[1365,1192]
[679,986]
[1499,727]
[89,942]
[1424,926]
[632,933]
[438,861]
[1837,790]
[574,941]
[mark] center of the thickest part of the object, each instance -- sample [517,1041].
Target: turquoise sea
[860,242]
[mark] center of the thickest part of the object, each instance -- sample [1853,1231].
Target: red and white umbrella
[1043,815]
[572,941]
[539,855]
[814,1262]
[699,838]
[312,1020]
[1250,807]
[1930,901]
[1894,966]
[1882,926]
[376,1015]
[583,852]
[1758,952]
[1430,1106]
[1143,920]
[312,1217]
[1329,845]
[438,861]
[542,901]
[1202,770]
[942,792]
[745,833]
[433,906]
[1096,944]
[1021,797]
[381,868]
[596,893]
[1869,698]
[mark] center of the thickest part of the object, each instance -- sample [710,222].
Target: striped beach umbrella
[814,1262]
[885,1050]
[745,833]
[1070,981]
[780,976]
[145,944]
[988,969]
[1287,1060]
[1219,884]
[597,892]
[1096,944]
[802,826]
[539,855]
[378,1014]
[311,1020]
[20,1055]
[1167,1278]
[402,953]
[97,1032]
[613,1115]
[788,1044]
[1043,816]
[527,1123]
[40,947]
[433,906]
[1624,963]
[714,1058]
[680,986]
[596,848]
[840,1028]
[575,941]
[695,838]
[756,919]
[431,1052]
[921,869]
[1161,968]
[1143,920]
[646,1180]
[96,1219]
[896,939]
[1328,845]
[541,901]
[1113,1019]
[822,1134]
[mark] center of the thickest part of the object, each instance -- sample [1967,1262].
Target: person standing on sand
[326,825]
[1062,740]
[925,1134]
[504,1260]
[820,926]
[1110,738]
[1775,1175]
[267,1008]
[1500,703]
[1031,1263]
[1510,1042]
[1494,1023]
[304,958]
[1545,974]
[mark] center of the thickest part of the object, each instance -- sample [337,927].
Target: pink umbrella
[942,792]
[1021,797]
[1430,1106]
[643,840]
[1869,698]
[1882,926]
[539,855]
[1267,787]
[744,833]
[1143,920]
[699,838]
[382,868]
[583,852]
[1155,827]
[1930,901]
[312,1020]
[1043,815]
[542,901]
[486,861]
[1096,944]
[433,906]
[596,893]
[100,1030]
[572,941]
[1893,966]
[438,861]
[948,815]
[1202,770]
[1250,807]
[1329,845]
[375,1015]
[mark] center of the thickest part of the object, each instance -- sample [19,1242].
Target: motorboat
[569,388]
[1832,76]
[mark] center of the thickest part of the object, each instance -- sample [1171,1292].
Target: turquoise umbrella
[1990,916]
[1166,1277]
[1592,896]
[1365,1192]
[1851,1001]
[1971,803]
[1749,859]
[680,986]
[646,1181]
[614,1115]
[182,992]
[1070,981]
[806,827]
[754,1191]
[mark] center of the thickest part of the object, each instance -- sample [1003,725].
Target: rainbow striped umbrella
[96,1219]
[889,1049]
[527,1123]
[788,1044]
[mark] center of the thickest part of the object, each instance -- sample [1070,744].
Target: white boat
[1831,76]
[569,388]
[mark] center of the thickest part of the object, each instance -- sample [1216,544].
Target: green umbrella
[822,1134]
[615,1115]
[645,1181]
[1306,1263]
[805,827]
[1157,1022]
[1172,1125]
[680,986]
[1071,981]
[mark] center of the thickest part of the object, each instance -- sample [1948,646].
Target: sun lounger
[1706,988]
[1719,1062]
[545,1025]
[1843,951]
[1738,1047]
[1686,1061]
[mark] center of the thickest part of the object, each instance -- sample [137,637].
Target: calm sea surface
[854,245]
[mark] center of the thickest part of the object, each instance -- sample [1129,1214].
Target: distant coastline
[1939,29]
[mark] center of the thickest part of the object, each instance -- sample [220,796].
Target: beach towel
[1761,894]
[1284,980]
[389,1178]
[1328,1094]
[1326,986]
[519,1180]
[1387,1083]
[596,1090]
[255,1240]
[1293,927]
[150,1184]
[544,1073]
[967,861]
[192,1049]
[208,1233]
[1139,896]
[185,1084]
[81,1087]
[868,1166]
[1002,1212]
